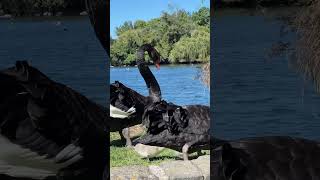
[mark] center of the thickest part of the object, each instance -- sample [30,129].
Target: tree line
[33,7]
[179,36]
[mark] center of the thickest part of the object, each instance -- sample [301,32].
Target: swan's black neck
[151,82]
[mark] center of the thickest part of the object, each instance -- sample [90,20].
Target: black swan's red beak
[157,63]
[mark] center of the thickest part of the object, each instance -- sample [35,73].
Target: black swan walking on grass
[181,128]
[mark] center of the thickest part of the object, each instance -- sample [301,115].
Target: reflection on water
[254,96]
[65,49]
[179,84]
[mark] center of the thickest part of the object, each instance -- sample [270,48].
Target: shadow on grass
[161,158]
[118,143]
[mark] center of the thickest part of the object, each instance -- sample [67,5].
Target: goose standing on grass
[126,105]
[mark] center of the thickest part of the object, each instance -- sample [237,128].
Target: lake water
[254,96]
[65,49]
[179,84]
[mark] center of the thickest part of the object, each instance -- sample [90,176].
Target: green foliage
[139,24]
[125,27]
[172,34]
[202,17]
[195,48]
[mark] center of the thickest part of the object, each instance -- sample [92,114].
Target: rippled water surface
[253,95]
[179,84]
[65,49]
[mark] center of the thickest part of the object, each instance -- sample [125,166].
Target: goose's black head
[34,81]
[120,96]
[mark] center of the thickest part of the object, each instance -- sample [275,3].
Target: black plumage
[49,127]
[266,158]
[125,98]
[182,128]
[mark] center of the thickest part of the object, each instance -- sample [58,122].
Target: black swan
[47,129]
[126,105]
[180,128]
[126,109]
[266,158]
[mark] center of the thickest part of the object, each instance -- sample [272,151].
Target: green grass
[123,156]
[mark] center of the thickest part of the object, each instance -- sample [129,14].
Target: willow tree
[195,48]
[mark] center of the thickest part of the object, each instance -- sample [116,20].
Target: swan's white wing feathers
[118,113]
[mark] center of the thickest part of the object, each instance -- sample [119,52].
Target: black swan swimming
[49,130]
[126,105]
[266,158]
[182,128]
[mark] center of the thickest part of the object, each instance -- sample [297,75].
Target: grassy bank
[123,156]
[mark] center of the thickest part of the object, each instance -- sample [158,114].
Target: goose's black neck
[151,82]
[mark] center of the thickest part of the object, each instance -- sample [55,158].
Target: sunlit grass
[123,156]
